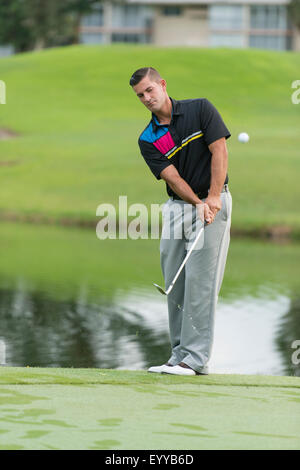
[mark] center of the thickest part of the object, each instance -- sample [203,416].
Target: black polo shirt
[195,124]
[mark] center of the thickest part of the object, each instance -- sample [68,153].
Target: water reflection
[130,331]
[288,332]
[41,331]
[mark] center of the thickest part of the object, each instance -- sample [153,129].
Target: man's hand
[214,203]
[204,213]
[180,187]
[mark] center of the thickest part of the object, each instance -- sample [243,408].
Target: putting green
[117,409]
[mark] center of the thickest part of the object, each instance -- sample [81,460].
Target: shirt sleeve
[156,161]
[212,124]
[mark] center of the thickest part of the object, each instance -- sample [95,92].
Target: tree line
[294,12]
[37,24]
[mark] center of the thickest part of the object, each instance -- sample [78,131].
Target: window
[129,38]
[171,11]
[270,42]
[226,40]
[136,16]
[225,17]
[268,17]
[94,19]
[91,38]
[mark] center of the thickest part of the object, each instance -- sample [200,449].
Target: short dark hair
[139,74]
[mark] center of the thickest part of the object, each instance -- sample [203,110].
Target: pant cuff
[174,361]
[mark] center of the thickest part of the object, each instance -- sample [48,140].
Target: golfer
[184,144]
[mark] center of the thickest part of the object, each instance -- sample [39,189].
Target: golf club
[166,292]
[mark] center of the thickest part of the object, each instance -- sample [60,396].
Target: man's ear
[163,84]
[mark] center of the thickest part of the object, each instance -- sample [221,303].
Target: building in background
[118,21]
[202,23]
[6,50]
[262,24]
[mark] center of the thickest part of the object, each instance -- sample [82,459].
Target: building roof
[208,2]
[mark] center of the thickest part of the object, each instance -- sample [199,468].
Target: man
[185,145]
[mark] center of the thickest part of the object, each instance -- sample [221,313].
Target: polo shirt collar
[176,107]
[176,111]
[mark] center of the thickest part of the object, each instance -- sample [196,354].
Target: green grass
[78,123]
[70,376]
[117,409]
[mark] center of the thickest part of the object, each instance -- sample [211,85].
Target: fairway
[118,409]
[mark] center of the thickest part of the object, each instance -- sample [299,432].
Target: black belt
[202,194]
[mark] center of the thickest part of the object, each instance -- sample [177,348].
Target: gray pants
[192,302]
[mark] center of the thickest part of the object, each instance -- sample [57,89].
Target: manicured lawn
[118,409]
[78,123]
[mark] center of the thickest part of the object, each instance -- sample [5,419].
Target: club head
[160,289]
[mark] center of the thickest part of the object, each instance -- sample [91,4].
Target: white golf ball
[243,137]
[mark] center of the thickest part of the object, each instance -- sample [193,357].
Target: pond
[68,299]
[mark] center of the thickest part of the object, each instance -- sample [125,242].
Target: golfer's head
[149,87]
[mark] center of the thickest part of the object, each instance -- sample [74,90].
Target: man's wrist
[214,193]
[199,203]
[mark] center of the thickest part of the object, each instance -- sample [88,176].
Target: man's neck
[164,115]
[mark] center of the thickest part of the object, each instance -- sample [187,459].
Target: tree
[79,8]
[12,29]
[49,23]
[37,24]
[294,12]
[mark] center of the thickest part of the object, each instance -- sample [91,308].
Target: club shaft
[184,261]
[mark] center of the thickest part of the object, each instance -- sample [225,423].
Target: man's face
[152,94]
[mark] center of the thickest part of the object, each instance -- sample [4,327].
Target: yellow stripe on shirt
[185,143]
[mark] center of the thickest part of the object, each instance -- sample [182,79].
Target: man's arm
[183,190]
[219,165]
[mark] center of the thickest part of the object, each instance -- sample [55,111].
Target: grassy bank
[77,123]
[61,261]
[118,409]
